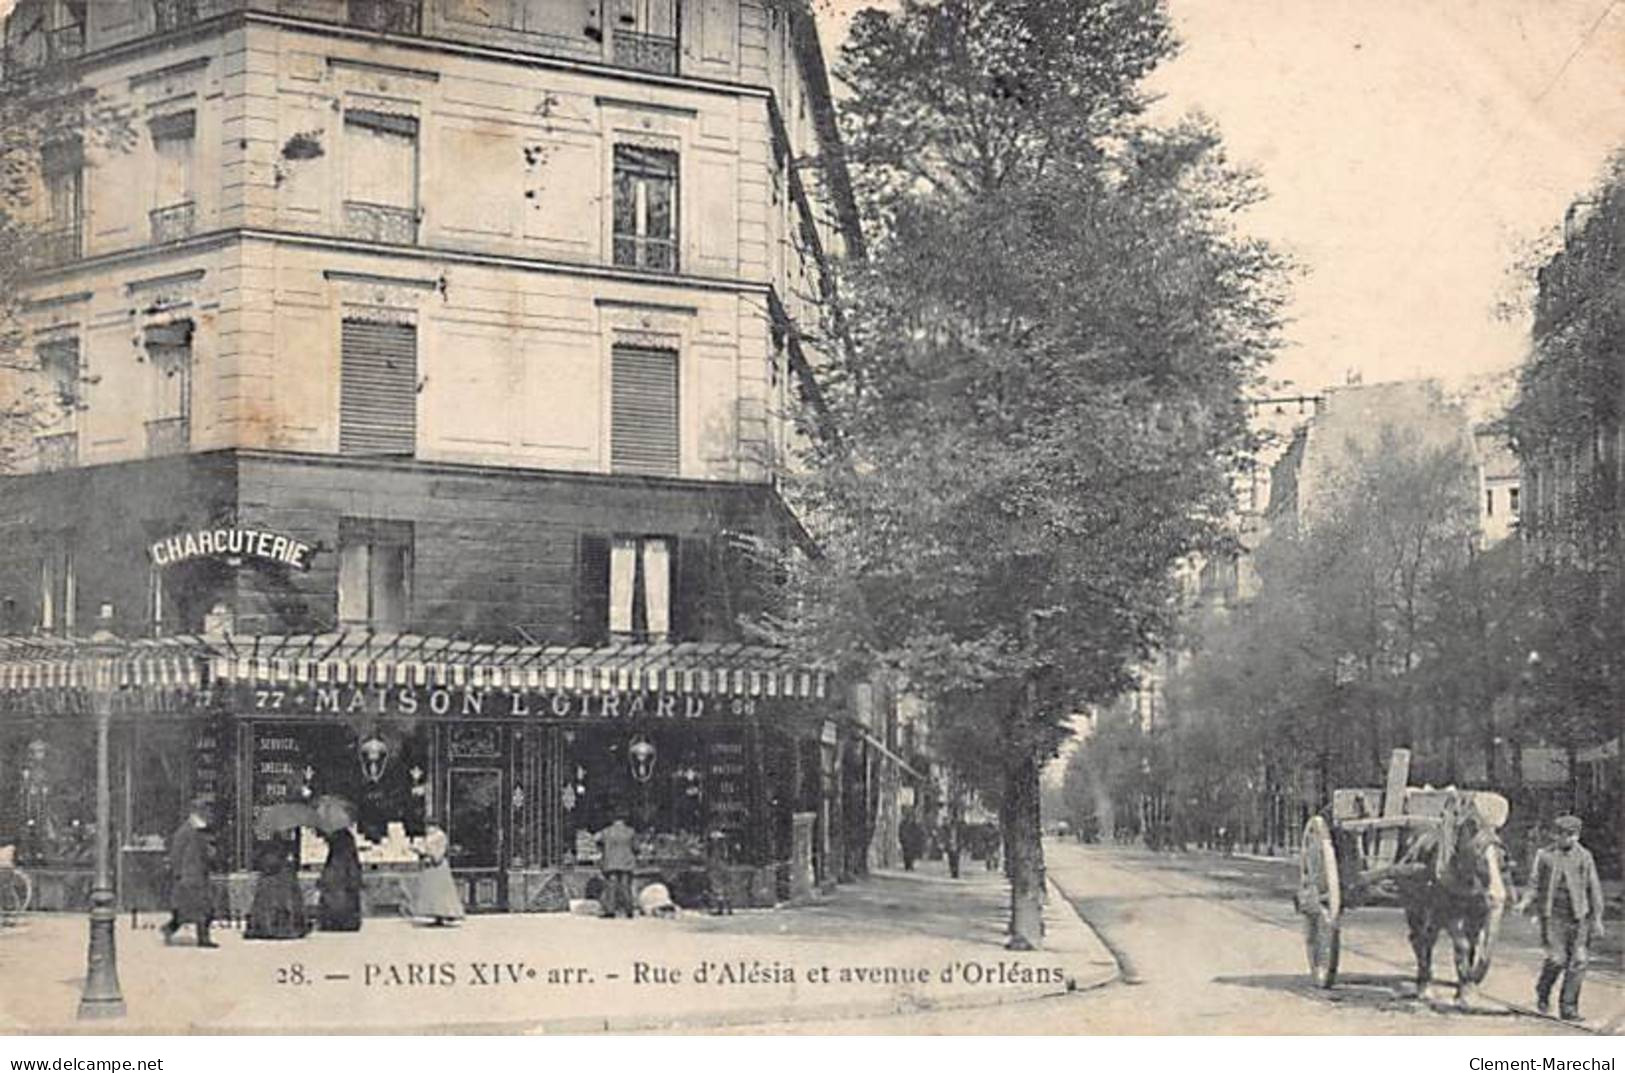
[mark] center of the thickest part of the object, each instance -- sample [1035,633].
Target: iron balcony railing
[168,436]
[381,223]
[59,450]
[646,251]
[387,16]
[60,245]
[173,222]
[655,53]
[174,14]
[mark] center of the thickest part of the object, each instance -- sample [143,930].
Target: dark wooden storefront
[521,755]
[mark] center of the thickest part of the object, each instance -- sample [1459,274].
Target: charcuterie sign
[232,543]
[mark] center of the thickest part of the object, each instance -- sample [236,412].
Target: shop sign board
[232,543]
[458,702]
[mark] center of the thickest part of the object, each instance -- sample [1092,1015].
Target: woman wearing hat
[1567,896]
[340,881]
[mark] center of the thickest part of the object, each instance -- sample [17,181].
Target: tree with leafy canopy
[1565,428]
[1035,404]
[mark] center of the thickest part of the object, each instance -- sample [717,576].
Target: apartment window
[645,35]
[63,168]
[173,14]
[381,176]
[375,573]
[57,440]
[59,362]
[57,594]
[1489,502]
[169,353]
[174,139]
[387,16]
[1512,501]
[641,588]
[378,388]
[643,424]
[646,208]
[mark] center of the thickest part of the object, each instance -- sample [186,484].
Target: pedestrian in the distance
[278,911]
[718,894]
[190,899]
[911,836]
[617,863]
[436,894]
[340,883]
[1567,896]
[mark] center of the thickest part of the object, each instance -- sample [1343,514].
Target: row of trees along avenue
[1569,432]
[1033,404]
[1380,621]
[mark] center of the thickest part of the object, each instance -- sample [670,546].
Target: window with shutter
[643,436]
[628,588]
[592,590]
[692,587]
[173,214]
[378,389]
[375,572]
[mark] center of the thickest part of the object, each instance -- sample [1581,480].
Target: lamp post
[102,999]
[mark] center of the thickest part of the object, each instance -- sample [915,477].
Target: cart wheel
[1320,900]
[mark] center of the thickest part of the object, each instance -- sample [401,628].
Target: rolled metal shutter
[378,389]
[643,411]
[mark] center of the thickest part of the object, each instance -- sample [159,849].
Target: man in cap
[190,899]
[1567,896]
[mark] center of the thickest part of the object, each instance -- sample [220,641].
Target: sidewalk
[892,942]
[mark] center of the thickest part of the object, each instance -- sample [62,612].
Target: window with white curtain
[640,588]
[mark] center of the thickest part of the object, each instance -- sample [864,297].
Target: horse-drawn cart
[1433,852]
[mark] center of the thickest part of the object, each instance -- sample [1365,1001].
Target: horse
[1454,883]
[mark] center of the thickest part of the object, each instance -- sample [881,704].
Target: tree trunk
[1026,852]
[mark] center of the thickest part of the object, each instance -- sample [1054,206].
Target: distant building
[1351,425]
[1500,485]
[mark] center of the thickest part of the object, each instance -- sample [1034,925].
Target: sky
[1414,151]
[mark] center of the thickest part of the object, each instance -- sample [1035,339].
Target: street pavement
[892,942]
[1211,945]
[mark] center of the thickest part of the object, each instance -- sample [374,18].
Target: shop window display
[159,779]
[681,792]
[49,774]
[381,771]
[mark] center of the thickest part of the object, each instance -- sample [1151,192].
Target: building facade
[427,367]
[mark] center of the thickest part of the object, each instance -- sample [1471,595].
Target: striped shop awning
[383,660]
[585,672]
[401,660]
[32,665]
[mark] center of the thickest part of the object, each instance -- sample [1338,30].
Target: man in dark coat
[190,899]
[911,836]
[1567,896]
[620,858]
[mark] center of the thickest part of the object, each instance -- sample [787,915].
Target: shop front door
[478,837]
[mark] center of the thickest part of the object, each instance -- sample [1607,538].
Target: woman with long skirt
[278,911]
[436,895]
[340,884]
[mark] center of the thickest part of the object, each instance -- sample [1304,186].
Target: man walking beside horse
[1567,896]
